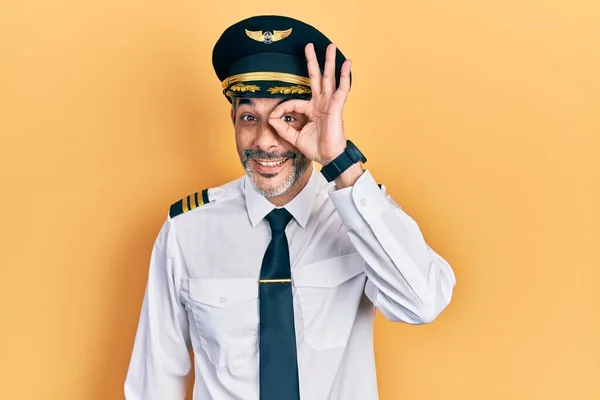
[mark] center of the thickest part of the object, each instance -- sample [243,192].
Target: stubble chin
[271,185]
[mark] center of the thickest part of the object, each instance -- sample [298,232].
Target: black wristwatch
[348,158]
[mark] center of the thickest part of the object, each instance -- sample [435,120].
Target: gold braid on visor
[266,76]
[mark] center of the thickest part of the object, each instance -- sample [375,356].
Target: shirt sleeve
[160,362]
[406,280]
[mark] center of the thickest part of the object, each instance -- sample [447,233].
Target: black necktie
[278,362]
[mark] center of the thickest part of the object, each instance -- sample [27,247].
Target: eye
[248,118]
[288,119]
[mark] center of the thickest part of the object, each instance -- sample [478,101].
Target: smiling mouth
[271,163]
[269,168]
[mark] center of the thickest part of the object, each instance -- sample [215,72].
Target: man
[272,279]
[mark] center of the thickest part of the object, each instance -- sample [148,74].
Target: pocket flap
[223,292]
[330,272]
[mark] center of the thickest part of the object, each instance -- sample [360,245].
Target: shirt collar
[300,207]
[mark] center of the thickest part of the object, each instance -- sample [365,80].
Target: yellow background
[481,117]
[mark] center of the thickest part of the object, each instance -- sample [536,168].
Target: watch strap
[341,163]
[336,167]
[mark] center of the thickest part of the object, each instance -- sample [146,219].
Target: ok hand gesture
[322,138]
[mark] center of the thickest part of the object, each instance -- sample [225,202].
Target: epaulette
[189,203]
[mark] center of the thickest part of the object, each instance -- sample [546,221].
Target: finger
[342,93]
[285,130]
[329,70]
[314,72]
[288,107]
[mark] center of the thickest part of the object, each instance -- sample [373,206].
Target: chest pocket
[329,293]
[226,315]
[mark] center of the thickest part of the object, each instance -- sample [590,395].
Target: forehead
[259,103]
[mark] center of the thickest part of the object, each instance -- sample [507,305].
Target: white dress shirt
[352,250]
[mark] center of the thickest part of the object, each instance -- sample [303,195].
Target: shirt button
[398,255]
[222,300]
[363,202]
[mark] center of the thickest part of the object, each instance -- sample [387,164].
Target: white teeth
[270,163]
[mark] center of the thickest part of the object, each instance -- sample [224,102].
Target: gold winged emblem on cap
[268,37]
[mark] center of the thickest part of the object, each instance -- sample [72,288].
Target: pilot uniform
[346,253]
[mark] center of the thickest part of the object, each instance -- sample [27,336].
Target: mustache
[263,155]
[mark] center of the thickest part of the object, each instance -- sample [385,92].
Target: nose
[267,138]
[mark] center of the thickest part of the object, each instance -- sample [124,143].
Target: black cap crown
[263,56]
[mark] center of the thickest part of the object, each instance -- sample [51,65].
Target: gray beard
[299,165]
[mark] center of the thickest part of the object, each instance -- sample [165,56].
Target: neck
[288,196]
